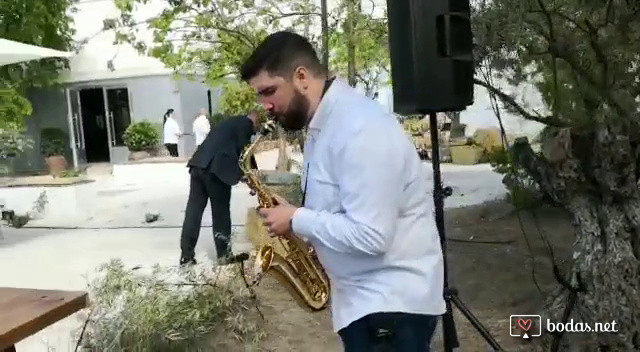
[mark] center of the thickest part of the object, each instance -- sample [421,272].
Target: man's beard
[295,118]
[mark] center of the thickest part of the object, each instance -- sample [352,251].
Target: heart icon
[524,324]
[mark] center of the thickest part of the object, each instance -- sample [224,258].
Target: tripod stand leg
[450,295]
[475,322]
[449,333]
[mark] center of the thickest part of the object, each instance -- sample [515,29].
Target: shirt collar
[326,104]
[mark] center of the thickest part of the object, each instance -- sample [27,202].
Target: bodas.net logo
[525,326]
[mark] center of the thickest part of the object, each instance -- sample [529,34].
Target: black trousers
[207,186]
[172,148]
[389,332]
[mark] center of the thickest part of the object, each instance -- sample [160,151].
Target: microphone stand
[450,294]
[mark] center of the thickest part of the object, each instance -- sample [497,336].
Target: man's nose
[267,105]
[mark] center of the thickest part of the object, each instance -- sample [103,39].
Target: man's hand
[278,219]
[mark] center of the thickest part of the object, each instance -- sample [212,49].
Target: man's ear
[301,77]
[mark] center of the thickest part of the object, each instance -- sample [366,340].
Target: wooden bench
[24,312]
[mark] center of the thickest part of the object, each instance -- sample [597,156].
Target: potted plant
[52,148]
[141,138]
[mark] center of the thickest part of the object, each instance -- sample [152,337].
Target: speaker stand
[450,294]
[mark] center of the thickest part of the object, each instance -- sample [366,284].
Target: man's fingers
[280,200]
[264,211]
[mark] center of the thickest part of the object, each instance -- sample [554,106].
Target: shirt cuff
[303,222]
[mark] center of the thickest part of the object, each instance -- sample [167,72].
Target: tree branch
[223,75]
[569,19]
[597,49]
[548,120]
[238,33]
[488,76]
[609,12]
[554,68]
[289,14]
[564,54]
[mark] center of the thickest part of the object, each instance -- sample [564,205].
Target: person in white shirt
[171,133]
[201,126]
[368,208]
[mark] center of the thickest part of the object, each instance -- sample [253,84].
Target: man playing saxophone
[366,209]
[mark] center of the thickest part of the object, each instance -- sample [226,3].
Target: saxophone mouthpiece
[268,127]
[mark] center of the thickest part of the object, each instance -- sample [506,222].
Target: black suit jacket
[220,151]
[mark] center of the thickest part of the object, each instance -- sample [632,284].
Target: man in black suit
[214,170]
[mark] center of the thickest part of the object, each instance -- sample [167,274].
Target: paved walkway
[87,225]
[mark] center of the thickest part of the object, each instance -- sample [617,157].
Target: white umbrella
[12,52]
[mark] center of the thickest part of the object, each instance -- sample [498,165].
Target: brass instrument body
[299,270]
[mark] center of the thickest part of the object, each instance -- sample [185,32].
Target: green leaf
[44,23]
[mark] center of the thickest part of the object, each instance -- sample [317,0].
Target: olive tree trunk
[593,173]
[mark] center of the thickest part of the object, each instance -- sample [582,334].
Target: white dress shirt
[201,128]
[171,131]
[369,211]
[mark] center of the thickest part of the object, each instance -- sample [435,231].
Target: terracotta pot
[56,164]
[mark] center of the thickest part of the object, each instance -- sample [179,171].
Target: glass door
[118,114]
[76,128]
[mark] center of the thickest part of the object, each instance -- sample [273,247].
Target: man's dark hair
[279,54]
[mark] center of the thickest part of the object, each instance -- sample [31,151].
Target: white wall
[193,97]
[91,61]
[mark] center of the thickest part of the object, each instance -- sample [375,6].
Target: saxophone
[299,270]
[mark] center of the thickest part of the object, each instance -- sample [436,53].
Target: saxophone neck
[264,130]
[245,159]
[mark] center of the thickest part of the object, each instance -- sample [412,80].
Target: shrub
[13,143]
[53,141]
[522,190]
[238,98]
[140,136]
[168,310]
[216,118]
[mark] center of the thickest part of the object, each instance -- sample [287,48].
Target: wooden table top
[24,312]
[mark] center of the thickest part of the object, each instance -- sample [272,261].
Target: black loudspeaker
[431,55]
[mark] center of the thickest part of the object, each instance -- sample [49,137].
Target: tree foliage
[13,108]
[44,23]
[370,36]
[581,55]
[214,37]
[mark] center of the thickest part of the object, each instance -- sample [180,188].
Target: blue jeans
[389,332]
